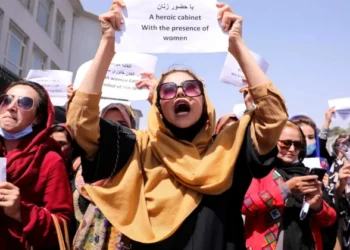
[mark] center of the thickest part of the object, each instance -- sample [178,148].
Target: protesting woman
[273,204]
[115,112]
[173,186]
[37,183]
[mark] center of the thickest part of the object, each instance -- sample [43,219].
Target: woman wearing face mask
[273,204]
[315,148]
[173,186]
[37,183]
[310,131]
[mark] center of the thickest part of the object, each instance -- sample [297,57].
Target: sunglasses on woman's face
[288,143]
[191,88]
[23,102]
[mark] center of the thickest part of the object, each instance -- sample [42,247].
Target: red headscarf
[24,162]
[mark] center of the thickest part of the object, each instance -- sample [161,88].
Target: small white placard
[3,163]
[239,110]
[123,73]
[232,72]
[314,162]
[54,81]
[342,107]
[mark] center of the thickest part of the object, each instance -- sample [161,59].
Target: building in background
[38,34]
[47,34]
[6,76]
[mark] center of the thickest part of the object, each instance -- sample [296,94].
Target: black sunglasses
[288,143]
[23,102]
[191,88]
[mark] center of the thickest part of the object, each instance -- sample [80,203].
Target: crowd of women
[186,182]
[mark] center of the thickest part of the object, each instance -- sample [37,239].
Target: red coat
[39,171]
[263,205]
[49,193]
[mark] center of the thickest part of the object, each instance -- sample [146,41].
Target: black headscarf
[297,233]
[187,134]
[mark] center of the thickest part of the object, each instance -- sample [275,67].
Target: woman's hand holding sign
[148,81]
[112,20]
[232,23]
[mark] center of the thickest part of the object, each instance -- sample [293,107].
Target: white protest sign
[314,162]
[54,81]
[3,162]
[171,26]
[232,72]
[121,77]
[342,107]
[239,110]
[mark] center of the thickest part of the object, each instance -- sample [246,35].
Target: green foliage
[338,130]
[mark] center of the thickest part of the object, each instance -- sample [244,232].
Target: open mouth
[182,107]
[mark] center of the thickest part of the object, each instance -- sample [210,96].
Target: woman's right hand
[328,119]
[112,20]
[303,184]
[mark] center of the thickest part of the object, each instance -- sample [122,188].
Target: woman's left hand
[10,200]
[315,199]
[148,81]
[232,23]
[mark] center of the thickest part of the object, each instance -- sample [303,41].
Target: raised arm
[270,113]
[83,108]
[323,135]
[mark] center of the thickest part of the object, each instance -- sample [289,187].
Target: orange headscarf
[165,179]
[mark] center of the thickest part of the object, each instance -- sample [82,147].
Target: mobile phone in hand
[320,172]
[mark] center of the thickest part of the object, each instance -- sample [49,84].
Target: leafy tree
[338,130]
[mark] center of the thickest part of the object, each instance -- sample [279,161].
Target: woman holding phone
[273,205]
